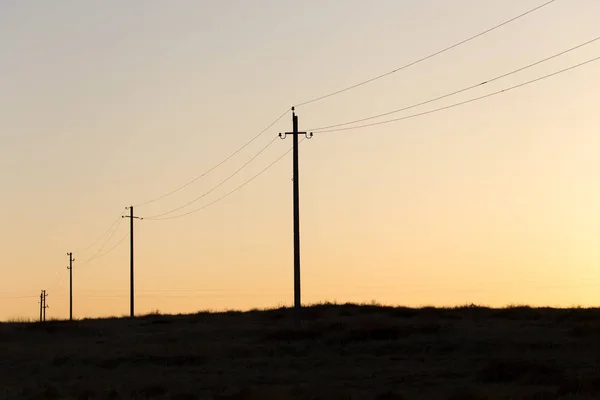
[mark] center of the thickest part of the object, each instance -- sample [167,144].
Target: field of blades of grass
[339,352]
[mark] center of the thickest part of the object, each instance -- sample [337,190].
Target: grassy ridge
[340,352]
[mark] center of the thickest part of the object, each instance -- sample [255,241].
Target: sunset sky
[108,104]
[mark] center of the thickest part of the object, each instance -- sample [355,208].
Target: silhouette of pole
[44,306]
[131,289]
[70,268]
[296,201]
[41,304]
[131,308]
[297,299]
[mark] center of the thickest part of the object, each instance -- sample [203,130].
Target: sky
[109,104]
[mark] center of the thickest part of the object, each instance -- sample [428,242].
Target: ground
[339,352]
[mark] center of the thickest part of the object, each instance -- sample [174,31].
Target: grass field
[339,352]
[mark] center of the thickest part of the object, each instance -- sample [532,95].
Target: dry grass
[20,320]
[340,352]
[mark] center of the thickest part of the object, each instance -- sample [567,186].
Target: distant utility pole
[131,217]
[70,268]
[43,305]
[295,133]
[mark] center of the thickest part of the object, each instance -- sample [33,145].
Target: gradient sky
[107,104]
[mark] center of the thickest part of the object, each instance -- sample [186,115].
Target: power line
[189,296]
[426,57]
[405,286]
[218,185]
[58,278]
[459,91]
[228,193]
[462,102]
[107,251]
[215,166]
[114,291]
[100,237]
[17,297]
[113,247]
[96,255]
[304,103]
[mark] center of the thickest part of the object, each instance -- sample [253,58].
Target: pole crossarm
[308,135]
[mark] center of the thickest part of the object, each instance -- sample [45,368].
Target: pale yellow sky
[109,104]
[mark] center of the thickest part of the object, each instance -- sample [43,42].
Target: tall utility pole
[131,217]
[295,133]
[70,268]
[43,305]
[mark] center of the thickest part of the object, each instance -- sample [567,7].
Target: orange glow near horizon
[492,203]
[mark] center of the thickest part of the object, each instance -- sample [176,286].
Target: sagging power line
[335,93]
[426,57]
[216,165]
[332,94]
[17,297]
[462,102]
[99,252]
[110,249]
[486,82]
[231,191]
[217,185]
[117,220]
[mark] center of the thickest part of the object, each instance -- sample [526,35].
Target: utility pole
[43,305]
[70,268]
[295,133]
[131,217]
